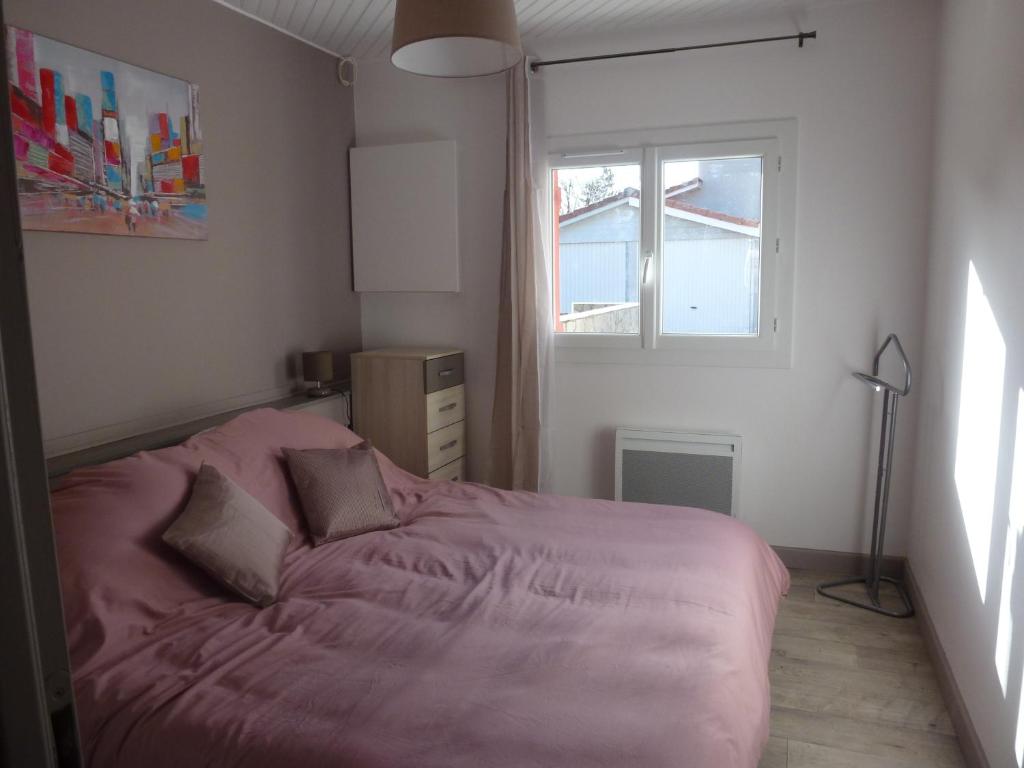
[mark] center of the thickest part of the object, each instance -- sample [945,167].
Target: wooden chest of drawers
[411,404]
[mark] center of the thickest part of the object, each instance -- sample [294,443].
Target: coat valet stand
[887,439]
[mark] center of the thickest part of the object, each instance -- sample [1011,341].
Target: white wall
[394,107]
[862,96]
[970,478]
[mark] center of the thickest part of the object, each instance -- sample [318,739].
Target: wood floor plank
[848,654]
[803,755]
[808,595]
[884,705]
[919,684]
[916,687]
[835,612]
[877,740]
[816,628]
[853,688]
[801,578]
[776,754]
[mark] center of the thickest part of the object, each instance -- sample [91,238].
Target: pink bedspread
[490,629]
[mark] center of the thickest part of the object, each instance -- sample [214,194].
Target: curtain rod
[800,37]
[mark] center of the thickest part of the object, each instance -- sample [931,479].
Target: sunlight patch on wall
[977,441]
[1014,534]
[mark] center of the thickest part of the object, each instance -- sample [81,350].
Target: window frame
[589,159]
[775,140]
[768,150]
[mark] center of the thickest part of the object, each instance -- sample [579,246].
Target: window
[711,246]
[671,249]
[597,249]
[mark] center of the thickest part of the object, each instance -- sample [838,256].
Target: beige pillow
[341,490]
[231,536]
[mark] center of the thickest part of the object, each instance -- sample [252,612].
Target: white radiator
[686,469]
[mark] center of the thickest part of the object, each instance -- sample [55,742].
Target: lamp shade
[455,38]
[318,366]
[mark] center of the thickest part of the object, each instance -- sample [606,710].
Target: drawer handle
[448,445]
[446,372]
[455,478]
[448,407]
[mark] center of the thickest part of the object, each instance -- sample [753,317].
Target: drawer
[446,445]
[456,471]
[446,406]
[443,372]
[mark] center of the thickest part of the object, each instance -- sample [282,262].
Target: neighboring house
[711,256]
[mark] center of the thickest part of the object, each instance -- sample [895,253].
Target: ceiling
[362,28]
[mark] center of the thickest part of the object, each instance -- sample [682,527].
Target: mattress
[491,629]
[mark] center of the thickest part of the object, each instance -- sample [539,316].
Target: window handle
[648,257]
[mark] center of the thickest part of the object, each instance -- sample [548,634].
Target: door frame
[37,715]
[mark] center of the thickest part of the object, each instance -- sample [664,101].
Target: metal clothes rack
[887,440]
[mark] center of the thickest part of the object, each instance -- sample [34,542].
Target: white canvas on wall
[405,217]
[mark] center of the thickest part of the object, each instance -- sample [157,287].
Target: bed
[491,629]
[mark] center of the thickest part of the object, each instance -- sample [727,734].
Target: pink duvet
[490,629]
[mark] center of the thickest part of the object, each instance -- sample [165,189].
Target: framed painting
[101,146]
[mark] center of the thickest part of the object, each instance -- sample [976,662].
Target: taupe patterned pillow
[231,536]
[341,490]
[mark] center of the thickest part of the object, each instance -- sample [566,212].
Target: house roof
[629,193]
[671,201]
[686,186]
[682,205]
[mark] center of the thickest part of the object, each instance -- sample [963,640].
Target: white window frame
[589,159]
[775,140]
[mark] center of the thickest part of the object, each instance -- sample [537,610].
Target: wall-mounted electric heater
[686,469]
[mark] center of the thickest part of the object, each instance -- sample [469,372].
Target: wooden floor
[852,689]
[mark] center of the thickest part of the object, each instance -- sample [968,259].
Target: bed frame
[57,466]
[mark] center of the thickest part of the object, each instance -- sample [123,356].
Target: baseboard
[970,744]
[828,561]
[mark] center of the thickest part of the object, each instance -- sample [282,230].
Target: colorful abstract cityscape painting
[102,146]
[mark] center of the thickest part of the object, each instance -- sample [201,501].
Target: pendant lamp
[455,38]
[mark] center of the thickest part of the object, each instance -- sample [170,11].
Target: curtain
[520,444]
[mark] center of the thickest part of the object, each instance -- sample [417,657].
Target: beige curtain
[518,438]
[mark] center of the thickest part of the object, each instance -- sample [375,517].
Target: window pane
[711,247]
[596,213]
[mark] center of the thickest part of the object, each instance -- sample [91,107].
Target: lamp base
[319,392]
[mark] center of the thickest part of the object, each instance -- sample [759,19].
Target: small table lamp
[318,367]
